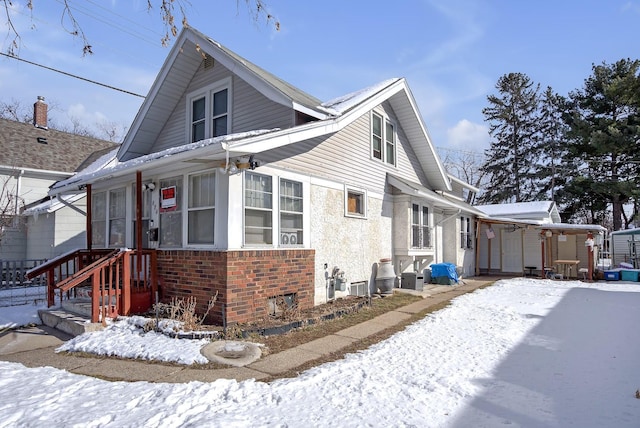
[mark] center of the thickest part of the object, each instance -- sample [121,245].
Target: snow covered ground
[525,352]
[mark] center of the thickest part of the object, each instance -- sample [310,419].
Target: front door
[511,242]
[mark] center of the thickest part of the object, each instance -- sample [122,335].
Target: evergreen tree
[551,172]
[604,137]
[513,126]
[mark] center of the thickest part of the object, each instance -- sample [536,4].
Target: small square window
[355,203]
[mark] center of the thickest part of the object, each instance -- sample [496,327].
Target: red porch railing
[122,281]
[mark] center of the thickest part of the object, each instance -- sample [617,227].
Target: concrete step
[68,322]
[78,306]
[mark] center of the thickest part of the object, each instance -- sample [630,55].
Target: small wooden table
[565,266]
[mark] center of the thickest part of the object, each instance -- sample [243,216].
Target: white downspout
[16,208]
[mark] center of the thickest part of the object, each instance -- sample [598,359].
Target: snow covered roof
[336,114]
[543,210]
[52,205]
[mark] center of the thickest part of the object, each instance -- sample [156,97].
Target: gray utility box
[412,281]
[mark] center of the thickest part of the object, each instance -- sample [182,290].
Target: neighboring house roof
[541,214]
[174,77]
[23,145]
[536,210]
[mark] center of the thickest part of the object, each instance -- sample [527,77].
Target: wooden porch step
[69,322]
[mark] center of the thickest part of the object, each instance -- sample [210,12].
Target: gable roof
[175,75]
[23,145]
[183,61]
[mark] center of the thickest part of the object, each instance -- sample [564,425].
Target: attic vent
[208,61]
[42,140]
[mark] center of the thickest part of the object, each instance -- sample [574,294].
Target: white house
[32,158]
[247,186]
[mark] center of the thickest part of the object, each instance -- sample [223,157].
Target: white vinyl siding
[249,109]
[346,156]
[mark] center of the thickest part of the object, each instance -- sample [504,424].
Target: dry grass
[379,306]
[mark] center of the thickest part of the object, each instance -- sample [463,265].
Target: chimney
[40,113]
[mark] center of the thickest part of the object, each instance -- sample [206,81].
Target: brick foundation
[244,280]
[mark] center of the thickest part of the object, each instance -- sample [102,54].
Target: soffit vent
[208,61]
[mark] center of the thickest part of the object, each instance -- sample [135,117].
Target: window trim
[384,122]
[363,194]
[207,92]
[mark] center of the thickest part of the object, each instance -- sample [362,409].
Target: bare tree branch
[169,10]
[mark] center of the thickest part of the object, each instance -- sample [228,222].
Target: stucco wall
[351,244]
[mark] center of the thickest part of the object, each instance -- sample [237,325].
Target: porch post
[88,218]
[478,227]
[138,223]
[542,239]
[590,256]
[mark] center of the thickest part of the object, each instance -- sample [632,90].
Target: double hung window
[291,204]
[420,227]
[117,217]
[99,218]
[258,209]
[209,111]
[201,208]
[465,233]
[383,139]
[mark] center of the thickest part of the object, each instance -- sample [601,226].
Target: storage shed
[624,246]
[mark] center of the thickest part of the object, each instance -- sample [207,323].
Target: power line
[72,75]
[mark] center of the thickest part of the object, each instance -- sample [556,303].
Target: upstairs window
[208,111]
[383,139]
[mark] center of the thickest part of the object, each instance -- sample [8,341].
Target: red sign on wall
[168,198]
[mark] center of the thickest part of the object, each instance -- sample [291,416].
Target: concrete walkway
[35,347]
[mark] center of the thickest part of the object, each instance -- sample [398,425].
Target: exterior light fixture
[548,233]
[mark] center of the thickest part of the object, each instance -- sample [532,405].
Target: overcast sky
[451,52]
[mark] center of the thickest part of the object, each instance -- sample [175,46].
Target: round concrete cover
[232,353]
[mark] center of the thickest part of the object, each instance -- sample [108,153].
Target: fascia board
[153,91]
[416,110]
